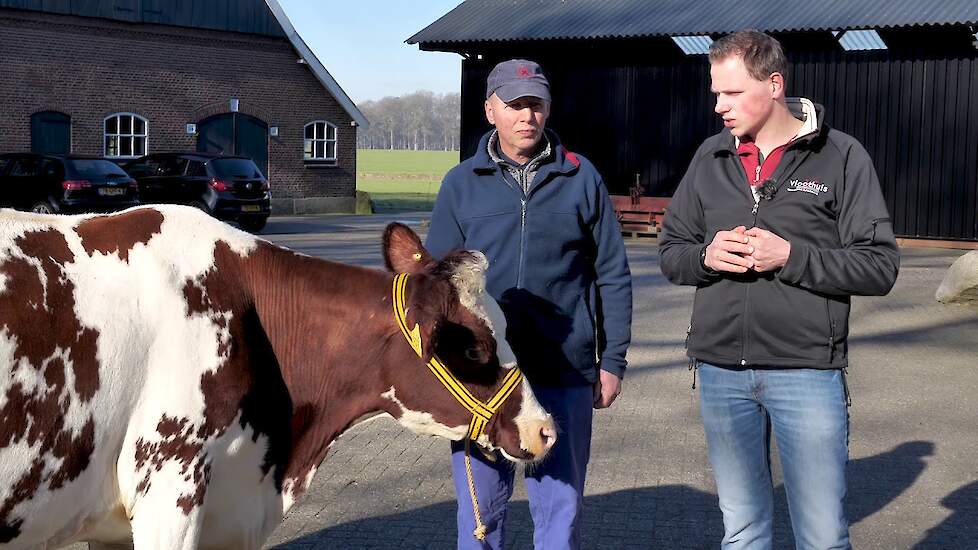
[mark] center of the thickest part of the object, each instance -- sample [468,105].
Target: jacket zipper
[523,198]
[746,332]
[519,272]
[692,362]
[745,341]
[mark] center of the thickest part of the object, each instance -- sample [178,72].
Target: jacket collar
[539,159]
[812,134]
[562,161]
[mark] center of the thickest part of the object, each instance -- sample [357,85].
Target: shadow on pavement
[668,516]
[959,529]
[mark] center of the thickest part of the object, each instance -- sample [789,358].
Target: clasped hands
[742,249]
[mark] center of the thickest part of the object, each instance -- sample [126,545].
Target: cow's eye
[472,354]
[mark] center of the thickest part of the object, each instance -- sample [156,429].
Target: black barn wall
[915,111]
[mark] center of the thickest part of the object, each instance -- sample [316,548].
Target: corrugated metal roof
[501,20]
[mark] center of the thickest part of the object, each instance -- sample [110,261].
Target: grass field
[400,181]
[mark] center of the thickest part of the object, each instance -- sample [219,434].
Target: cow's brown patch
[249,381]
[178,444]
[23,490]
[187,502]
[38,312]
[119,232]
[75,451]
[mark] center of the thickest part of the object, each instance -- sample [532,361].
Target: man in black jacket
[778,221]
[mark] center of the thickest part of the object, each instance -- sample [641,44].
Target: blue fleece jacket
[557,262]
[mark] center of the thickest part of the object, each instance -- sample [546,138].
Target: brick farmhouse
[123,78]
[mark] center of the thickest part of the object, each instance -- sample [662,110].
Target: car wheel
[253,225]
[202,206]
[42,207]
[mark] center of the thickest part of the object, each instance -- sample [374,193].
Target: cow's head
[463,327]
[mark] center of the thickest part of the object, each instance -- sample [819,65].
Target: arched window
[320,141]
[126,136]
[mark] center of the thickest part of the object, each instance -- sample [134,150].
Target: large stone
[960,284]
[364,204]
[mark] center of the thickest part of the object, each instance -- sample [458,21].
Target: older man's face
[520,124]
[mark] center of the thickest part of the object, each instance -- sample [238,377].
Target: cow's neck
[329,325]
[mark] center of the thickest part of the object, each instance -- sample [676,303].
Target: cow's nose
[549,435]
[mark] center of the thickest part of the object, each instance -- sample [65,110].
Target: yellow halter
[481,412]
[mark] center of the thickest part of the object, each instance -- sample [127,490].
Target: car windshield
[94,168]
[234,168]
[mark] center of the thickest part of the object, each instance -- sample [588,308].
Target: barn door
[51,133]
[251,140]
[235,134]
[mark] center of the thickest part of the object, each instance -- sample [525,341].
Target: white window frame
[319,138]
[120,135]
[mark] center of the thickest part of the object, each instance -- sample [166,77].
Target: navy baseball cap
[517,78]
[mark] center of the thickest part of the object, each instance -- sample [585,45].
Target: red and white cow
[170,380]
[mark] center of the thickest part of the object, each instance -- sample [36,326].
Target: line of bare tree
[420,121]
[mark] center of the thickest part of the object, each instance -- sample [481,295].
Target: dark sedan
[56,184]
[229,188]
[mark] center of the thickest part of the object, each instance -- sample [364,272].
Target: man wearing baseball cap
[557,267]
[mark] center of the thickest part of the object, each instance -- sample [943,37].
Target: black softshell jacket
[827,203]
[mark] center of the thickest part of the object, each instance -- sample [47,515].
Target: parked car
[226,187]
[54,184]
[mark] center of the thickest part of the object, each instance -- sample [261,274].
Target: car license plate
[111,191]
[251,208]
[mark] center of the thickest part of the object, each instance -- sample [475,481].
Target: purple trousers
[555,486]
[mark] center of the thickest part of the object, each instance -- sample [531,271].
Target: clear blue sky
[361,43]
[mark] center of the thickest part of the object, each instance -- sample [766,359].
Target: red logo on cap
[523,71]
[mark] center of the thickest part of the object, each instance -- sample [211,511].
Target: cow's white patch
[290,489]
[497,324]
[422,422]
[192,236]
[233,522]
[79,412]
[308,481]
[469,281]
[288,494]
[530,409]
[530,421]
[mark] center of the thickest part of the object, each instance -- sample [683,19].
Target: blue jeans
[555,486]
[806,410]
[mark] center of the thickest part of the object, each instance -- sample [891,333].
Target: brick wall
[91,68]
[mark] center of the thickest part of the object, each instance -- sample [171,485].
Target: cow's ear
[403,251]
